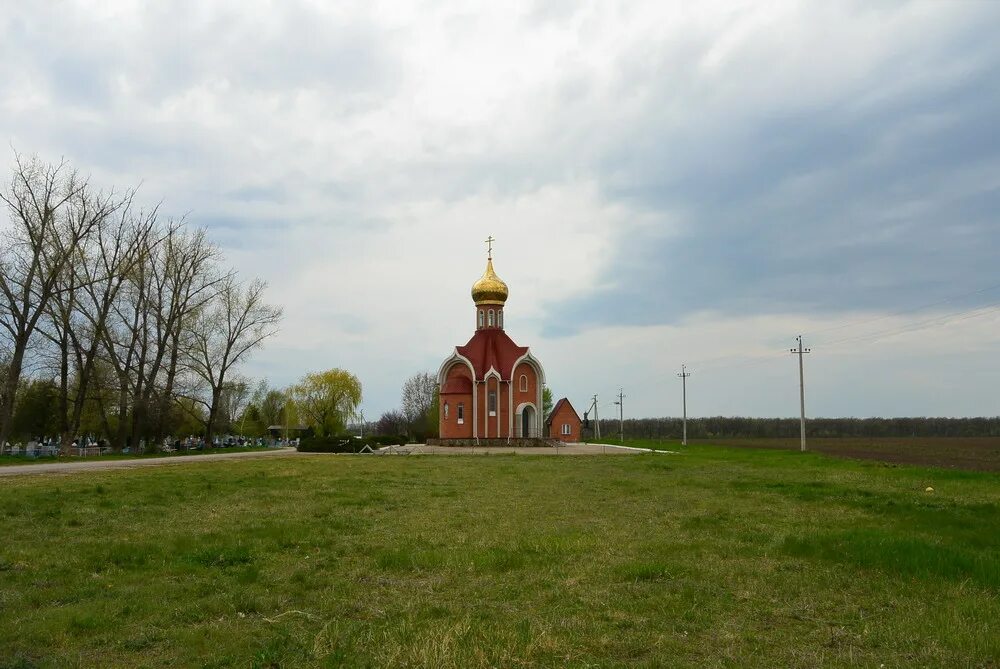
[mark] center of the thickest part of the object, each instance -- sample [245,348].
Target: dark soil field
[969,453]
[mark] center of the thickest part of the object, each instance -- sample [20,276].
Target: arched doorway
[528,422]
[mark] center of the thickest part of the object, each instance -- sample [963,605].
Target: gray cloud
[844,206]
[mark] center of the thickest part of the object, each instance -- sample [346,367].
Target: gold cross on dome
[489,246]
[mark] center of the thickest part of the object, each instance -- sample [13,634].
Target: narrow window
[524,383]
[480,318]
[461,413]
[493,403]
[500,318]
[446,411]
[492,317]
[565,428]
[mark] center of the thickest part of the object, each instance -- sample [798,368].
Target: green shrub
[347,443]
[330,445]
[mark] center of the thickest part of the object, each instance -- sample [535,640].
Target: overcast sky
[668,183]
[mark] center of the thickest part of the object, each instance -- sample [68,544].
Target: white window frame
[481,318]
[446,411]
[500,318]
[565,429]
[491,318]
[491,402]
[523,383]
[460,414]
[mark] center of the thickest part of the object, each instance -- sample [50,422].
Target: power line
[975,312]
[905,311]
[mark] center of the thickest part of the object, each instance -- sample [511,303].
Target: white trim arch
[533,361]
[454,359]
[520,424]
[540,374]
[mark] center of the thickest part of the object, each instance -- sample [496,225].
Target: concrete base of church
[494,443]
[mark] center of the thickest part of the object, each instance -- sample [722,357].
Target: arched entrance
[527,422]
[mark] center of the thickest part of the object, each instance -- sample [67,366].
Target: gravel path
[84,465]
[569,449]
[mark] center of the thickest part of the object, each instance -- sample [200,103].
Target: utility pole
[684,393]
[802,394]
[621,415]
[597,422]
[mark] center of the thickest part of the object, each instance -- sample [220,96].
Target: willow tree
[325,401]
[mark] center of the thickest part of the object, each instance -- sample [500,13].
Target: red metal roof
[492,348]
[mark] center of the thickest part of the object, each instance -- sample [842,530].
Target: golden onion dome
[490,289]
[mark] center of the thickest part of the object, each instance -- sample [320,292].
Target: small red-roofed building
[564,422]
[491,388]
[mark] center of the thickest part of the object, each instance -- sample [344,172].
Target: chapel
[490,388]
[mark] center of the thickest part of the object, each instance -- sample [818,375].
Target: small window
[446,411]
[493,403]
[461,414]
[500,318]
[565,429]
[524,383]
[480,318]
[492,317]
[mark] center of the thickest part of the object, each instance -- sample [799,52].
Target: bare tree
[51,213]
[418,396]
[391,423]
[270,404]
[234,401]
[115,311]
[224,331]
[175,277]
[89,289]
[184,279]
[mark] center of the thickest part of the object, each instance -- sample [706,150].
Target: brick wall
[565,415]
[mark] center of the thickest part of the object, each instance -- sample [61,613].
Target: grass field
[716,557]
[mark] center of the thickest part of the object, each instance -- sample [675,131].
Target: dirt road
[84,465]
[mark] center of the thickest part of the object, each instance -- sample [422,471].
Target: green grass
[715,557]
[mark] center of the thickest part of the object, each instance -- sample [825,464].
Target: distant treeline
[762,428]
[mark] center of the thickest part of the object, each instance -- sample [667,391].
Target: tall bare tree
[51,212]
[89,289]
[236,395]
[185,278]
[234,323]
[176,276]
[418,396]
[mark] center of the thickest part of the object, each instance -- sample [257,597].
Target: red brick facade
[516,394]
[564,423]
